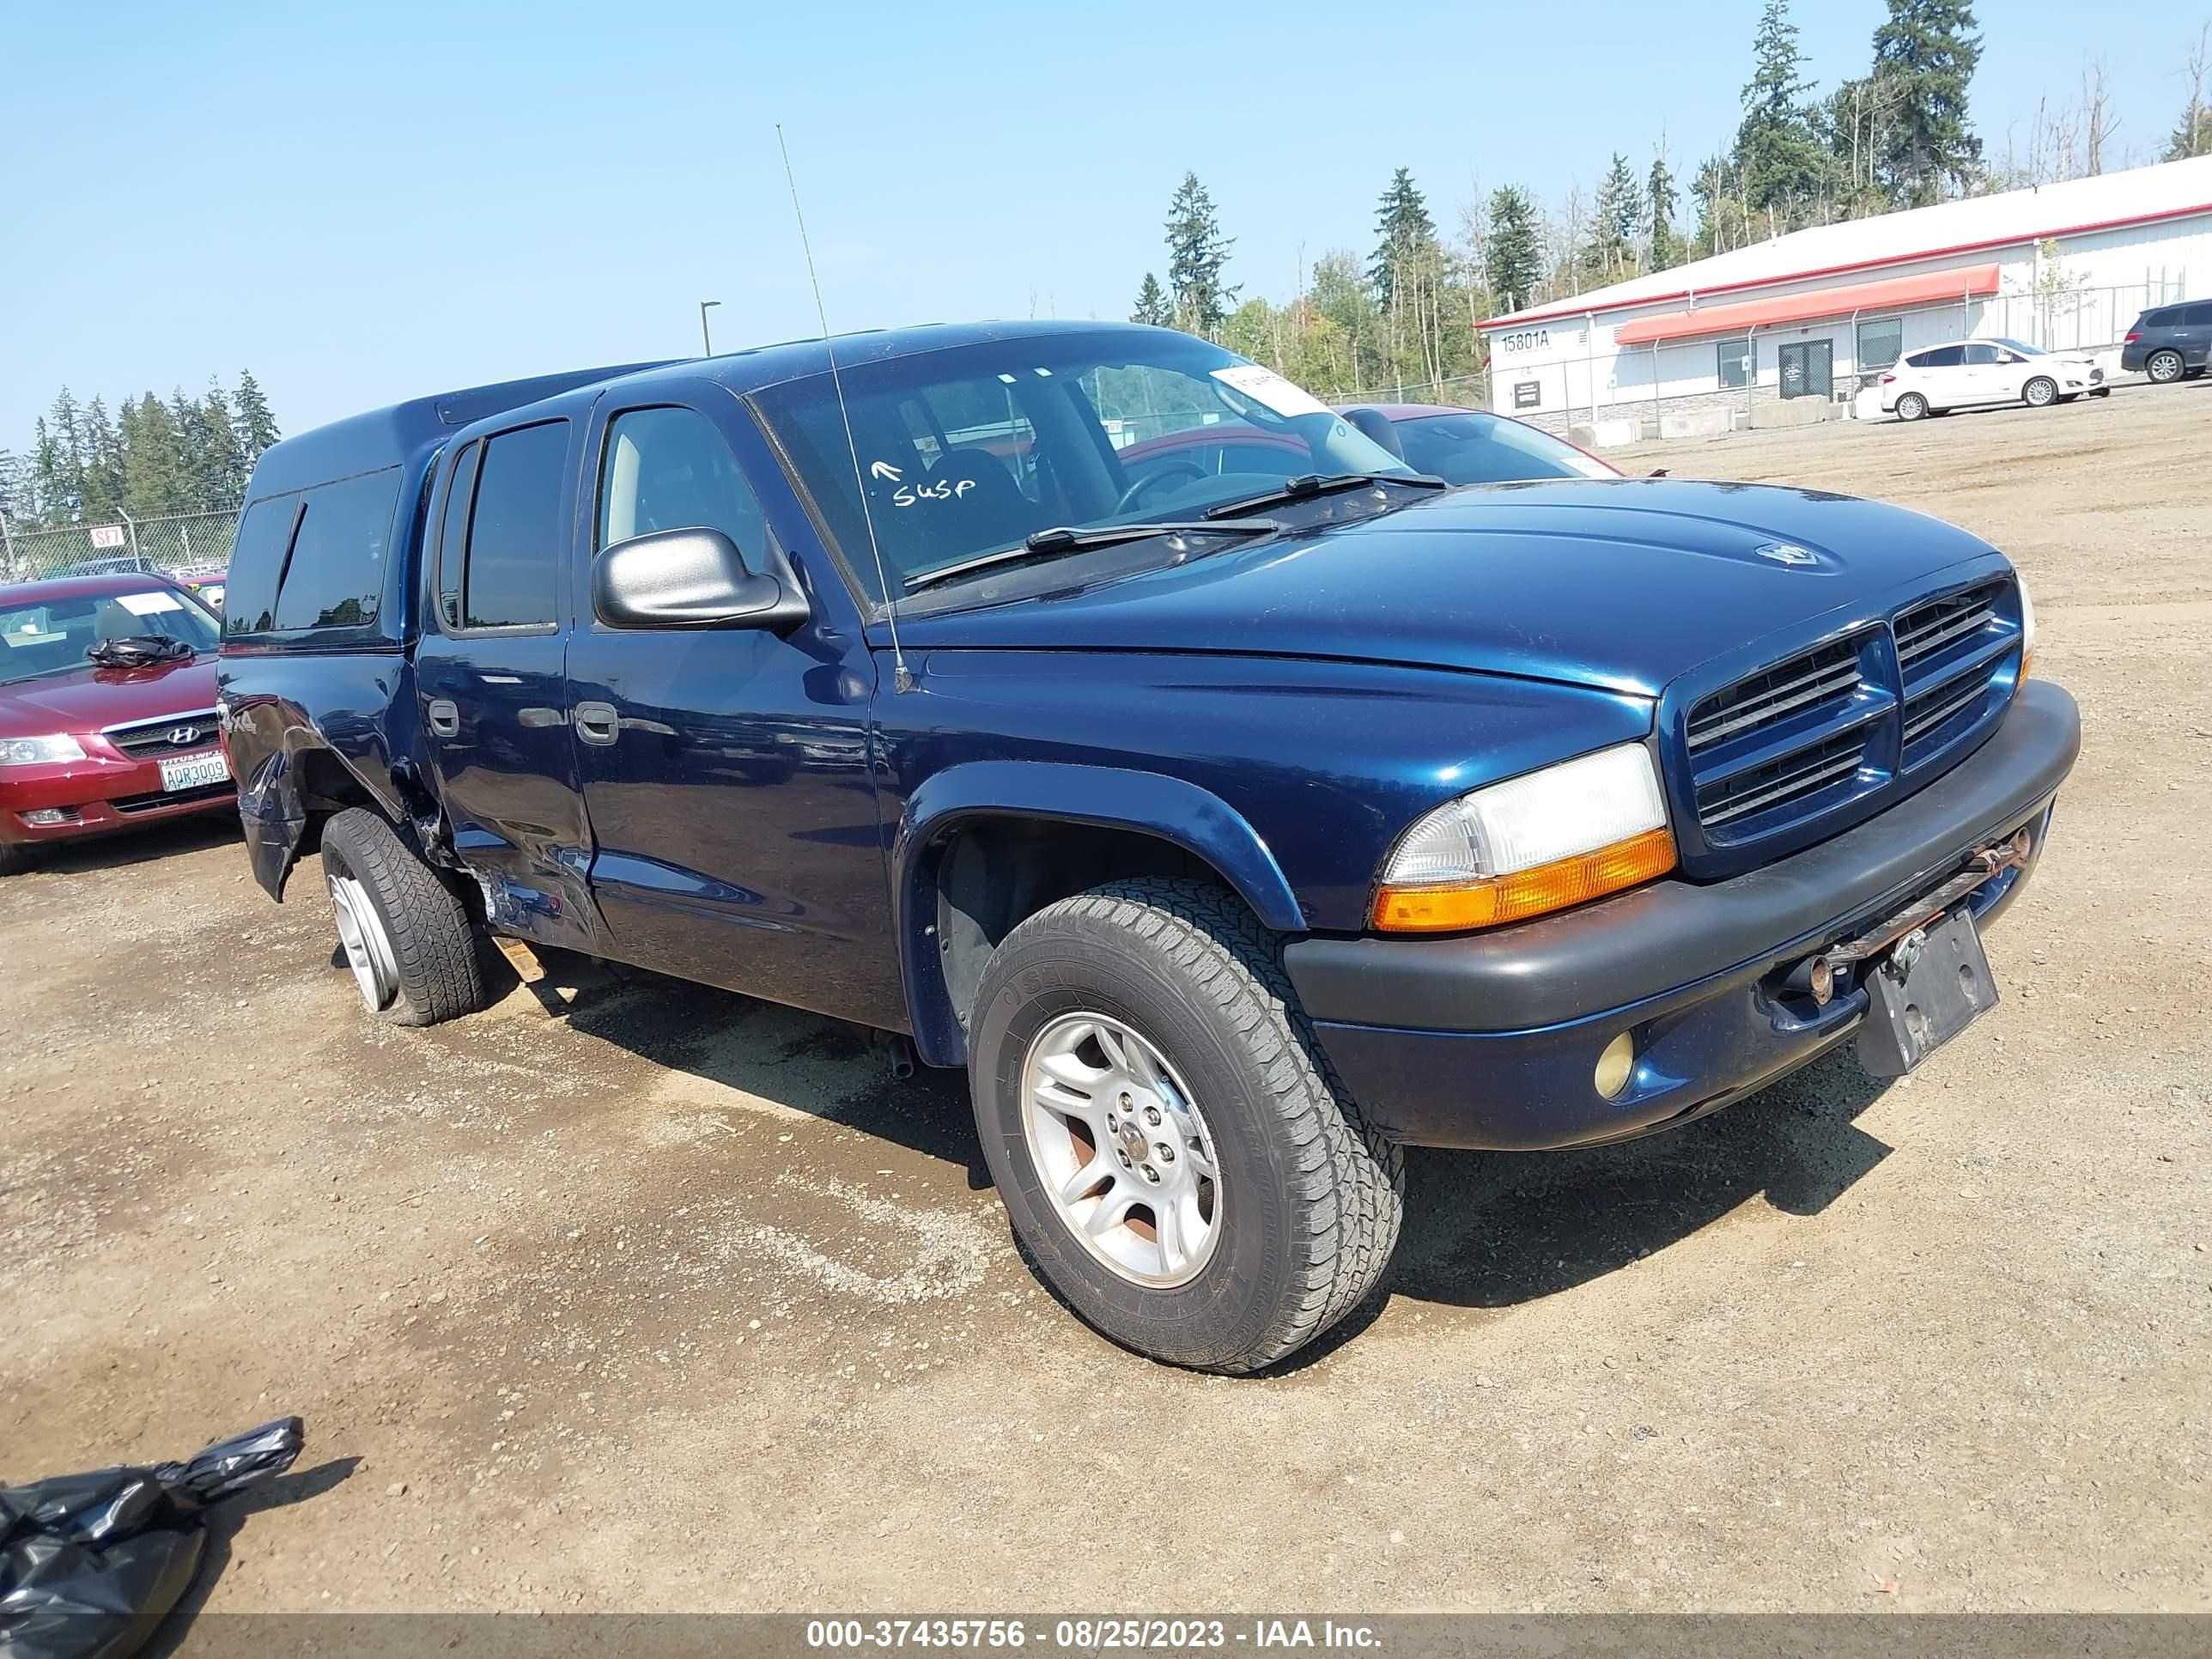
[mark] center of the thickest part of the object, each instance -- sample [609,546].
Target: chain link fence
[173,543]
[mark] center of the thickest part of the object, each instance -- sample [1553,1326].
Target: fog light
[1615,1064]
[46,816]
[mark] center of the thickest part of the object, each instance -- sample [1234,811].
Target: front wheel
[1911,407]
[2165,367]
[410,942]
[2041,393]
[15,858]
[1171,1146]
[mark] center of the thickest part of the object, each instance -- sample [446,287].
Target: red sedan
[107,710]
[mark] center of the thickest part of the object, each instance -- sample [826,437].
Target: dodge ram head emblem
[1788,553]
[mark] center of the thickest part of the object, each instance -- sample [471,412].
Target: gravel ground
[666,1299]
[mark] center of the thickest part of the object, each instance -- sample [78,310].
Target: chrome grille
[1817,676]
[173,734]
[1808,745]
[1805,772]
[1927,629]
[1923,714]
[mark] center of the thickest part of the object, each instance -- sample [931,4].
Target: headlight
[1570,832]
[2027,628]
[38,751]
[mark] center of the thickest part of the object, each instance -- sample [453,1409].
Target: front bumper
[96,796]
[1490,1039]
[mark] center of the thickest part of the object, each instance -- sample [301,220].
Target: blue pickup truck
[1237,814]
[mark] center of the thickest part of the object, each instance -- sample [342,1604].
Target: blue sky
[363,204]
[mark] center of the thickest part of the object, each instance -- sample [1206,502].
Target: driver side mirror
[690,579]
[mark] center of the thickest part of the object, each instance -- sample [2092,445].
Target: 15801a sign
[1528,339]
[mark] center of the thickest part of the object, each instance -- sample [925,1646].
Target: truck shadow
[1482,1230]
[1490,1229]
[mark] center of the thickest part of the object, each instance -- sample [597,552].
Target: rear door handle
[444,717]
[597,722]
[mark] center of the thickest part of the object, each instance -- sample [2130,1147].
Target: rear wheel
[2041,393]
[408,939]
[1170,1144]
[1911,406]
[2165,367]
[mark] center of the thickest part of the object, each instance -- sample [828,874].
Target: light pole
[705,339]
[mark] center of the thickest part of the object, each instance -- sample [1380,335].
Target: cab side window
[668,469]
[507,563]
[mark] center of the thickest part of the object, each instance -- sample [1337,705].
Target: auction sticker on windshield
[1269,390]
[149,605]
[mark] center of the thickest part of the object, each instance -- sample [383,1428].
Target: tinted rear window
[514,530]
[1941,357]
[2196,316]
[328,574]
[257,559]
[336,575]
[2165,318]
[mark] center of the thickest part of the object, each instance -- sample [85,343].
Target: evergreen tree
[219,465]
[46,470]
[1616,222]
[1660,199]
[153,463]
[2192,133]
[1404,231]
[1512,251]
[18,495]
[255,426]
[1153,305]
[101,478]
[1778,151]
[1197,254]
[1925,54]
[62,479]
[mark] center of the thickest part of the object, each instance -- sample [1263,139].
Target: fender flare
[1168,809]
[274,814]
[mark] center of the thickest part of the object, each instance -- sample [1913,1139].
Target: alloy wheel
[368,948]
[1122,1151]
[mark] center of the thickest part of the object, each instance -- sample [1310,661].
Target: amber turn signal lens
[1532,892]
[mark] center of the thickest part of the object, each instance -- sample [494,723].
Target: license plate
[193,771]
[1926,989]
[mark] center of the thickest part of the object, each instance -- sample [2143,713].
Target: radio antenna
[904,680]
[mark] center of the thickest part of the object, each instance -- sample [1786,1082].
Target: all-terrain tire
[433,943]
[1311,1197]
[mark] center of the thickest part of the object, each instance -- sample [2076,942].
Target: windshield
[971,451]
[52,637]
[2024,350]
[1473,447]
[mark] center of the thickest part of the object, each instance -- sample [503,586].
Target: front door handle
[444,716]
[597,722]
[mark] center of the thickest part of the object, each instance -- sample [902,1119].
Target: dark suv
[1234,824]
[2169,342]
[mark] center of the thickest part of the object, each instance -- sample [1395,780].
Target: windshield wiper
[1070,538]
[1308,484]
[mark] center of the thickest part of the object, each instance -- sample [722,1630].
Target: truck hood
[87,699]
[1621,584]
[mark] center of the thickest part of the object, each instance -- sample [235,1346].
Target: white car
[1963,373]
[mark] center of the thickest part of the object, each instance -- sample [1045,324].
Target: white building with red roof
[1805,316]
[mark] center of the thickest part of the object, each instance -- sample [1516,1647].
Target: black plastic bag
[138,651]
[90,1564]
